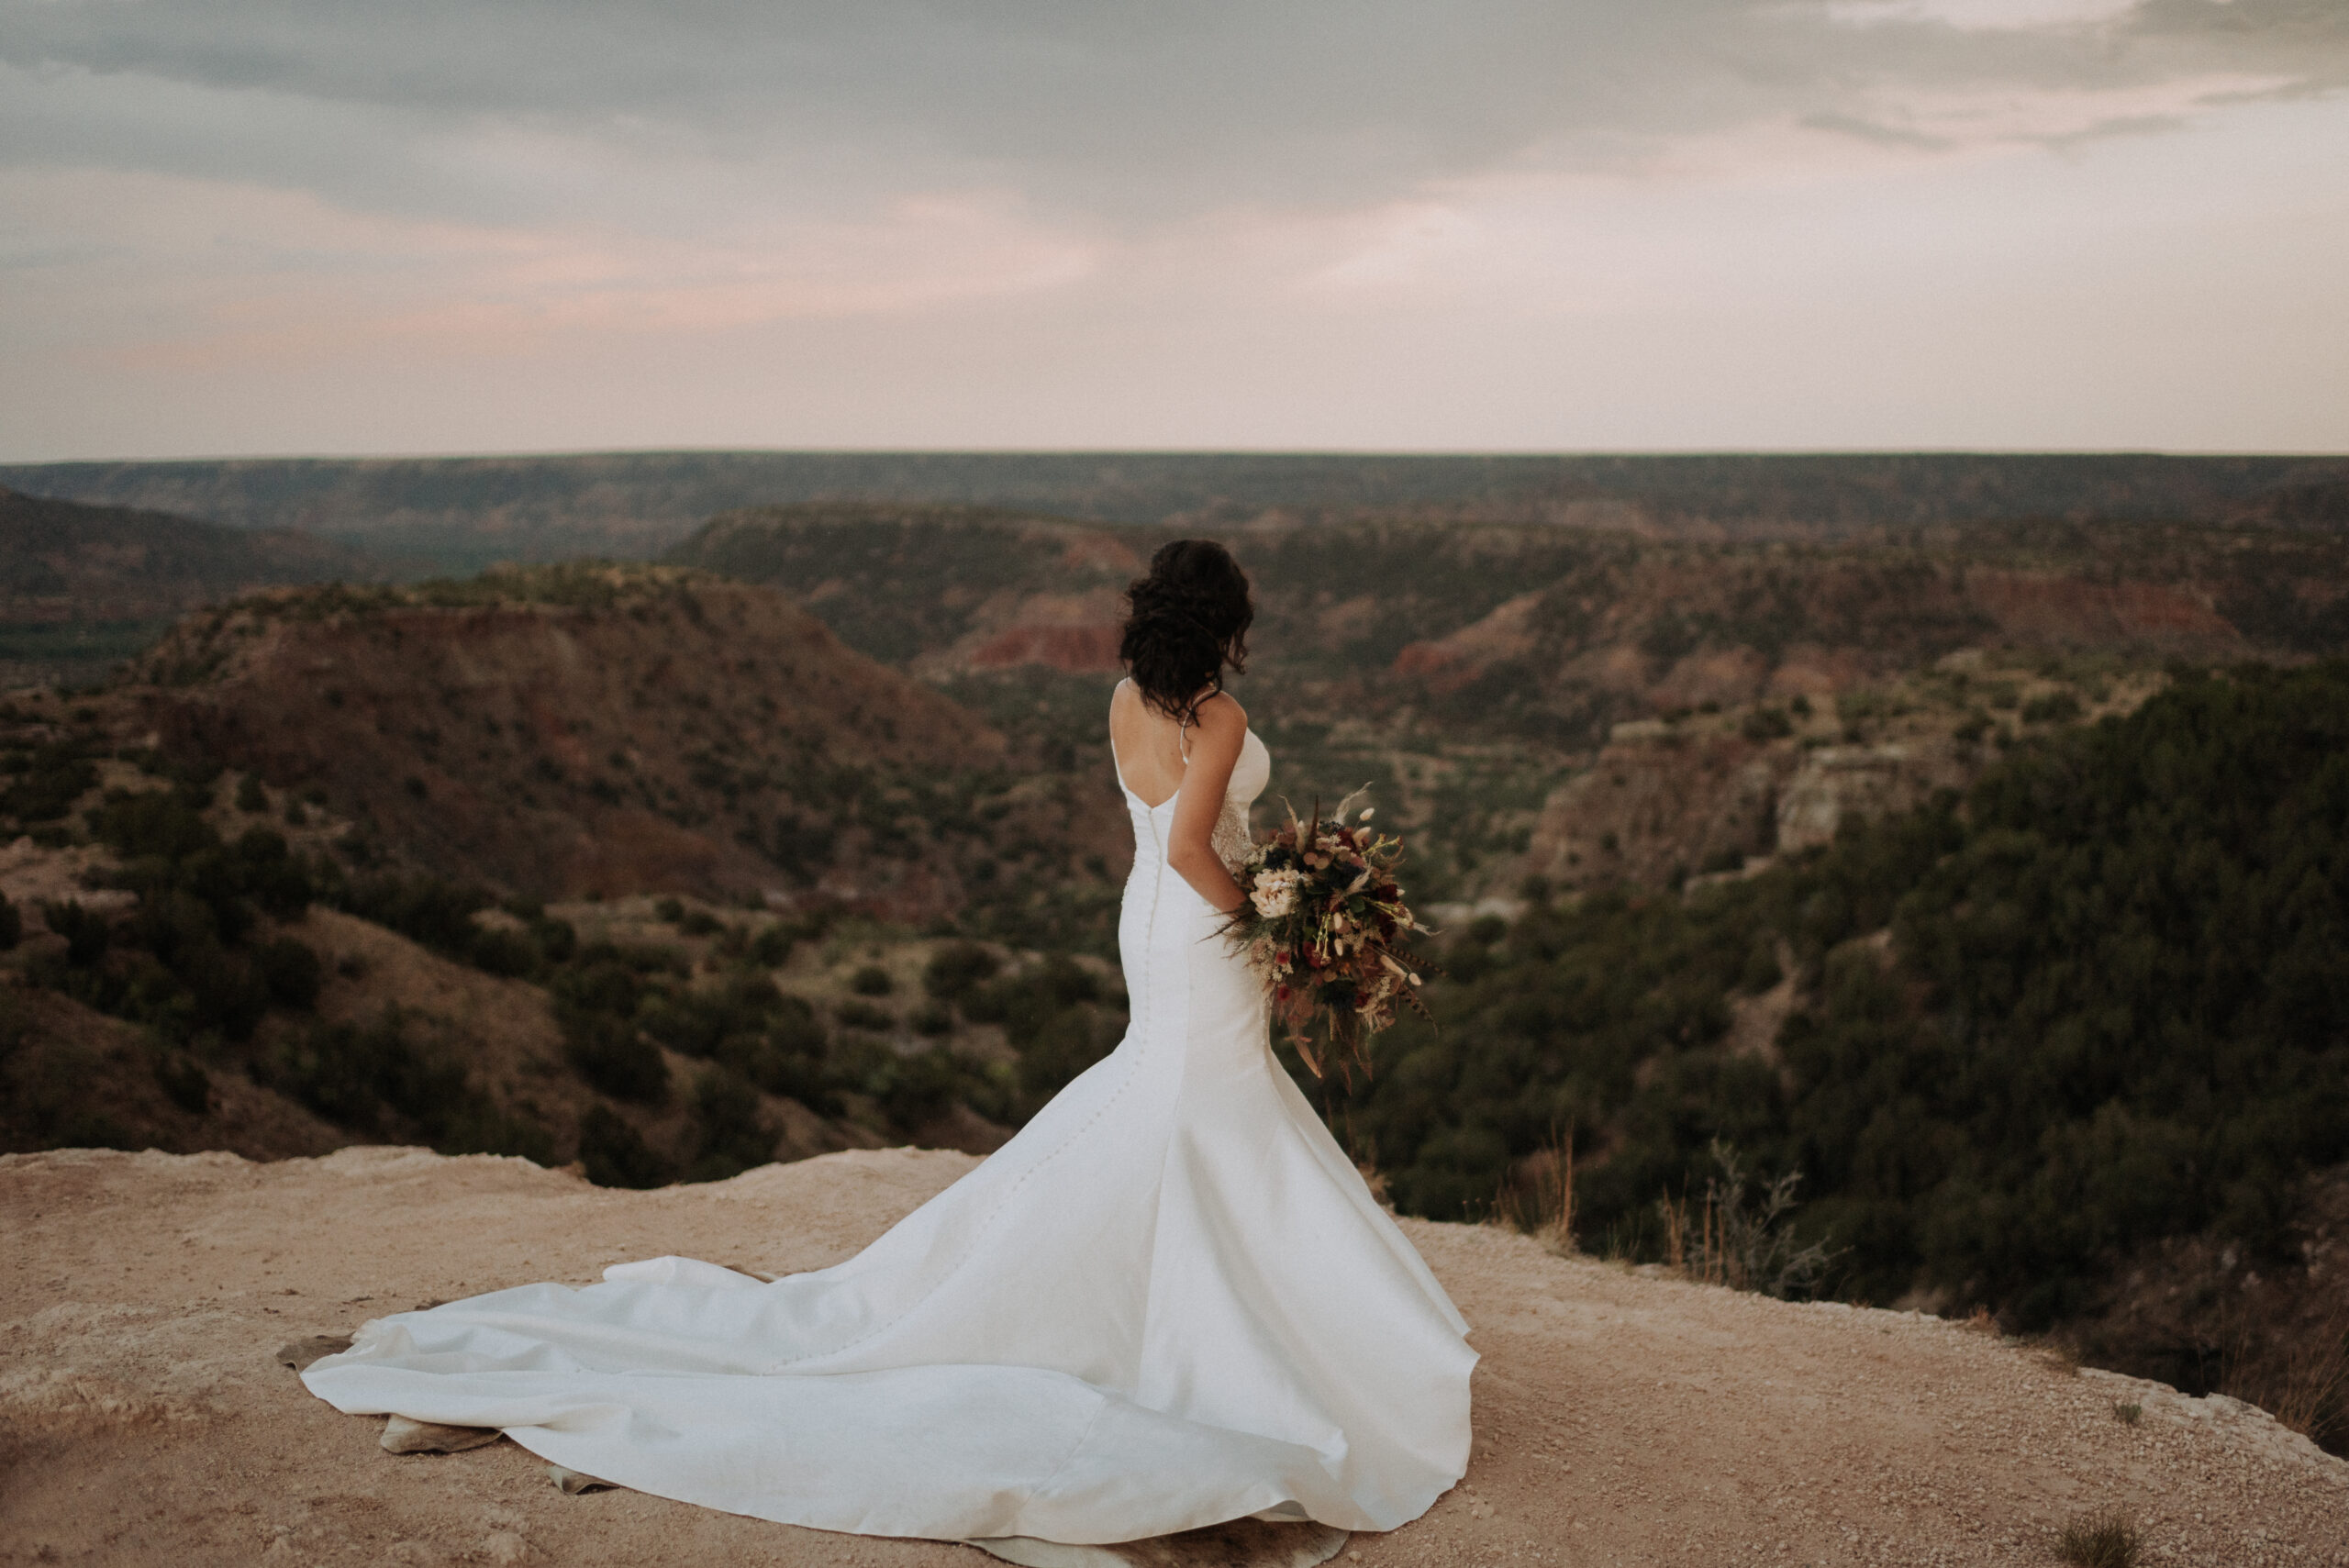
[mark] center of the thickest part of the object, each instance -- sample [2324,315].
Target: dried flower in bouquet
[1324,925]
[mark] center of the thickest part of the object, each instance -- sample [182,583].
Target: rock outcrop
[1661,805]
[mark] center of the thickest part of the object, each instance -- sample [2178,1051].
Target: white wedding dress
[1169,1302]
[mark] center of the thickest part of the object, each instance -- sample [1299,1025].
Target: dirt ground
[1619,1419]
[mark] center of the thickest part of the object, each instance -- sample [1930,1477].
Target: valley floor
[1619,1419]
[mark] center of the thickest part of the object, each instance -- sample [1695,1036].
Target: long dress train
[1169,1302]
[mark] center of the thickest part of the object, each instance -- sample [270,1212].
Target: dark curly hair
[1188,619]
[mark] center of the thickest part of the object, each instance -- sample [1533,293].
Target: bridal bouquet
[1322,922]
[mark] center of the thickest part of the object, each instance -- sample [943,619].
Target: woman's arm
[1190,848]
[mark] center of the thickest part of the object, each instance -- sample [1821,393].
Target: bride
[1169,1302]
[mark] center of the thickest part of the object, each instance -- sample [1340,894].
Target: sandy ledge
[1619,1419]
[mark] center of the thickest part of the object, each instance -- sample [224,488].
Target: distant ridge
[63,562]
[83,587]
[461,513]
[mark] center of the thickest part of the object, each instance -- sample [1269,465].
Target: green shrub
[502,951]
[612,1057]
[184,1081]
[2109,1012]
[771,947]
[871,980]
[56,776]
[87,933]
[730,1133]
[857,1013]
[600,982]
[789,1059]
[955,967]
[12,925]
[794,1024]
[1061,1046]
[2051,707]
[616,1155]
[695,1022]
[272,875]
[1055,1014]
[645,958]
[438,914]
[557,941]
[250,796]
[916,1089]
[227,991]
[196,783]
[433,913]
[355,1076]
[292,972]
[151,823]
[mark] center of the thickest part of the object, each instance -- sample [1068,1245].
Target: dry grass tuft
[2301,1381]
[2059,1356]
[1541,1204]
[1743,1239]
[2312,1397]
[2101,1540]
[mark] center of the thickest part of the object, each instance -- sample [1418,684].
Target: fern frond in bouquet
[1324,925]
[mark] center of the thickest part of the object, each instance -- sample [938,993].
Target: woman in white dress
[1169,1302]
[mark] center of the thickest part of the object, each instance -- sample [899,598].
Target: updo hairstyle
[1189,619]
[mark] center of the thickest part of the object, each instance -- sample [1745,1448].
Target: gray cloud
[1127,112]
[419,225]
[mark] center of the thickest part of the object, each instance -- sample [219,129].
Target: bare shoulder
[1222,716]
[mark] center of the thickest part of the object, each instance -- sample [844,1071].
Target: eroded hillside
[626,868]
[598,731]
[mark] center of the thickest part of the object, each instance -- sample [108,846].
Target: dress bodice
[1250,773]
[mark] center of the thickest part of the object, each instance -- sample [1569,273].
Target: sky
[280,227]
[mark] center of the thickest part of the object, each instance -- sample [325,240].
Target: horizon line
[1392,454]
